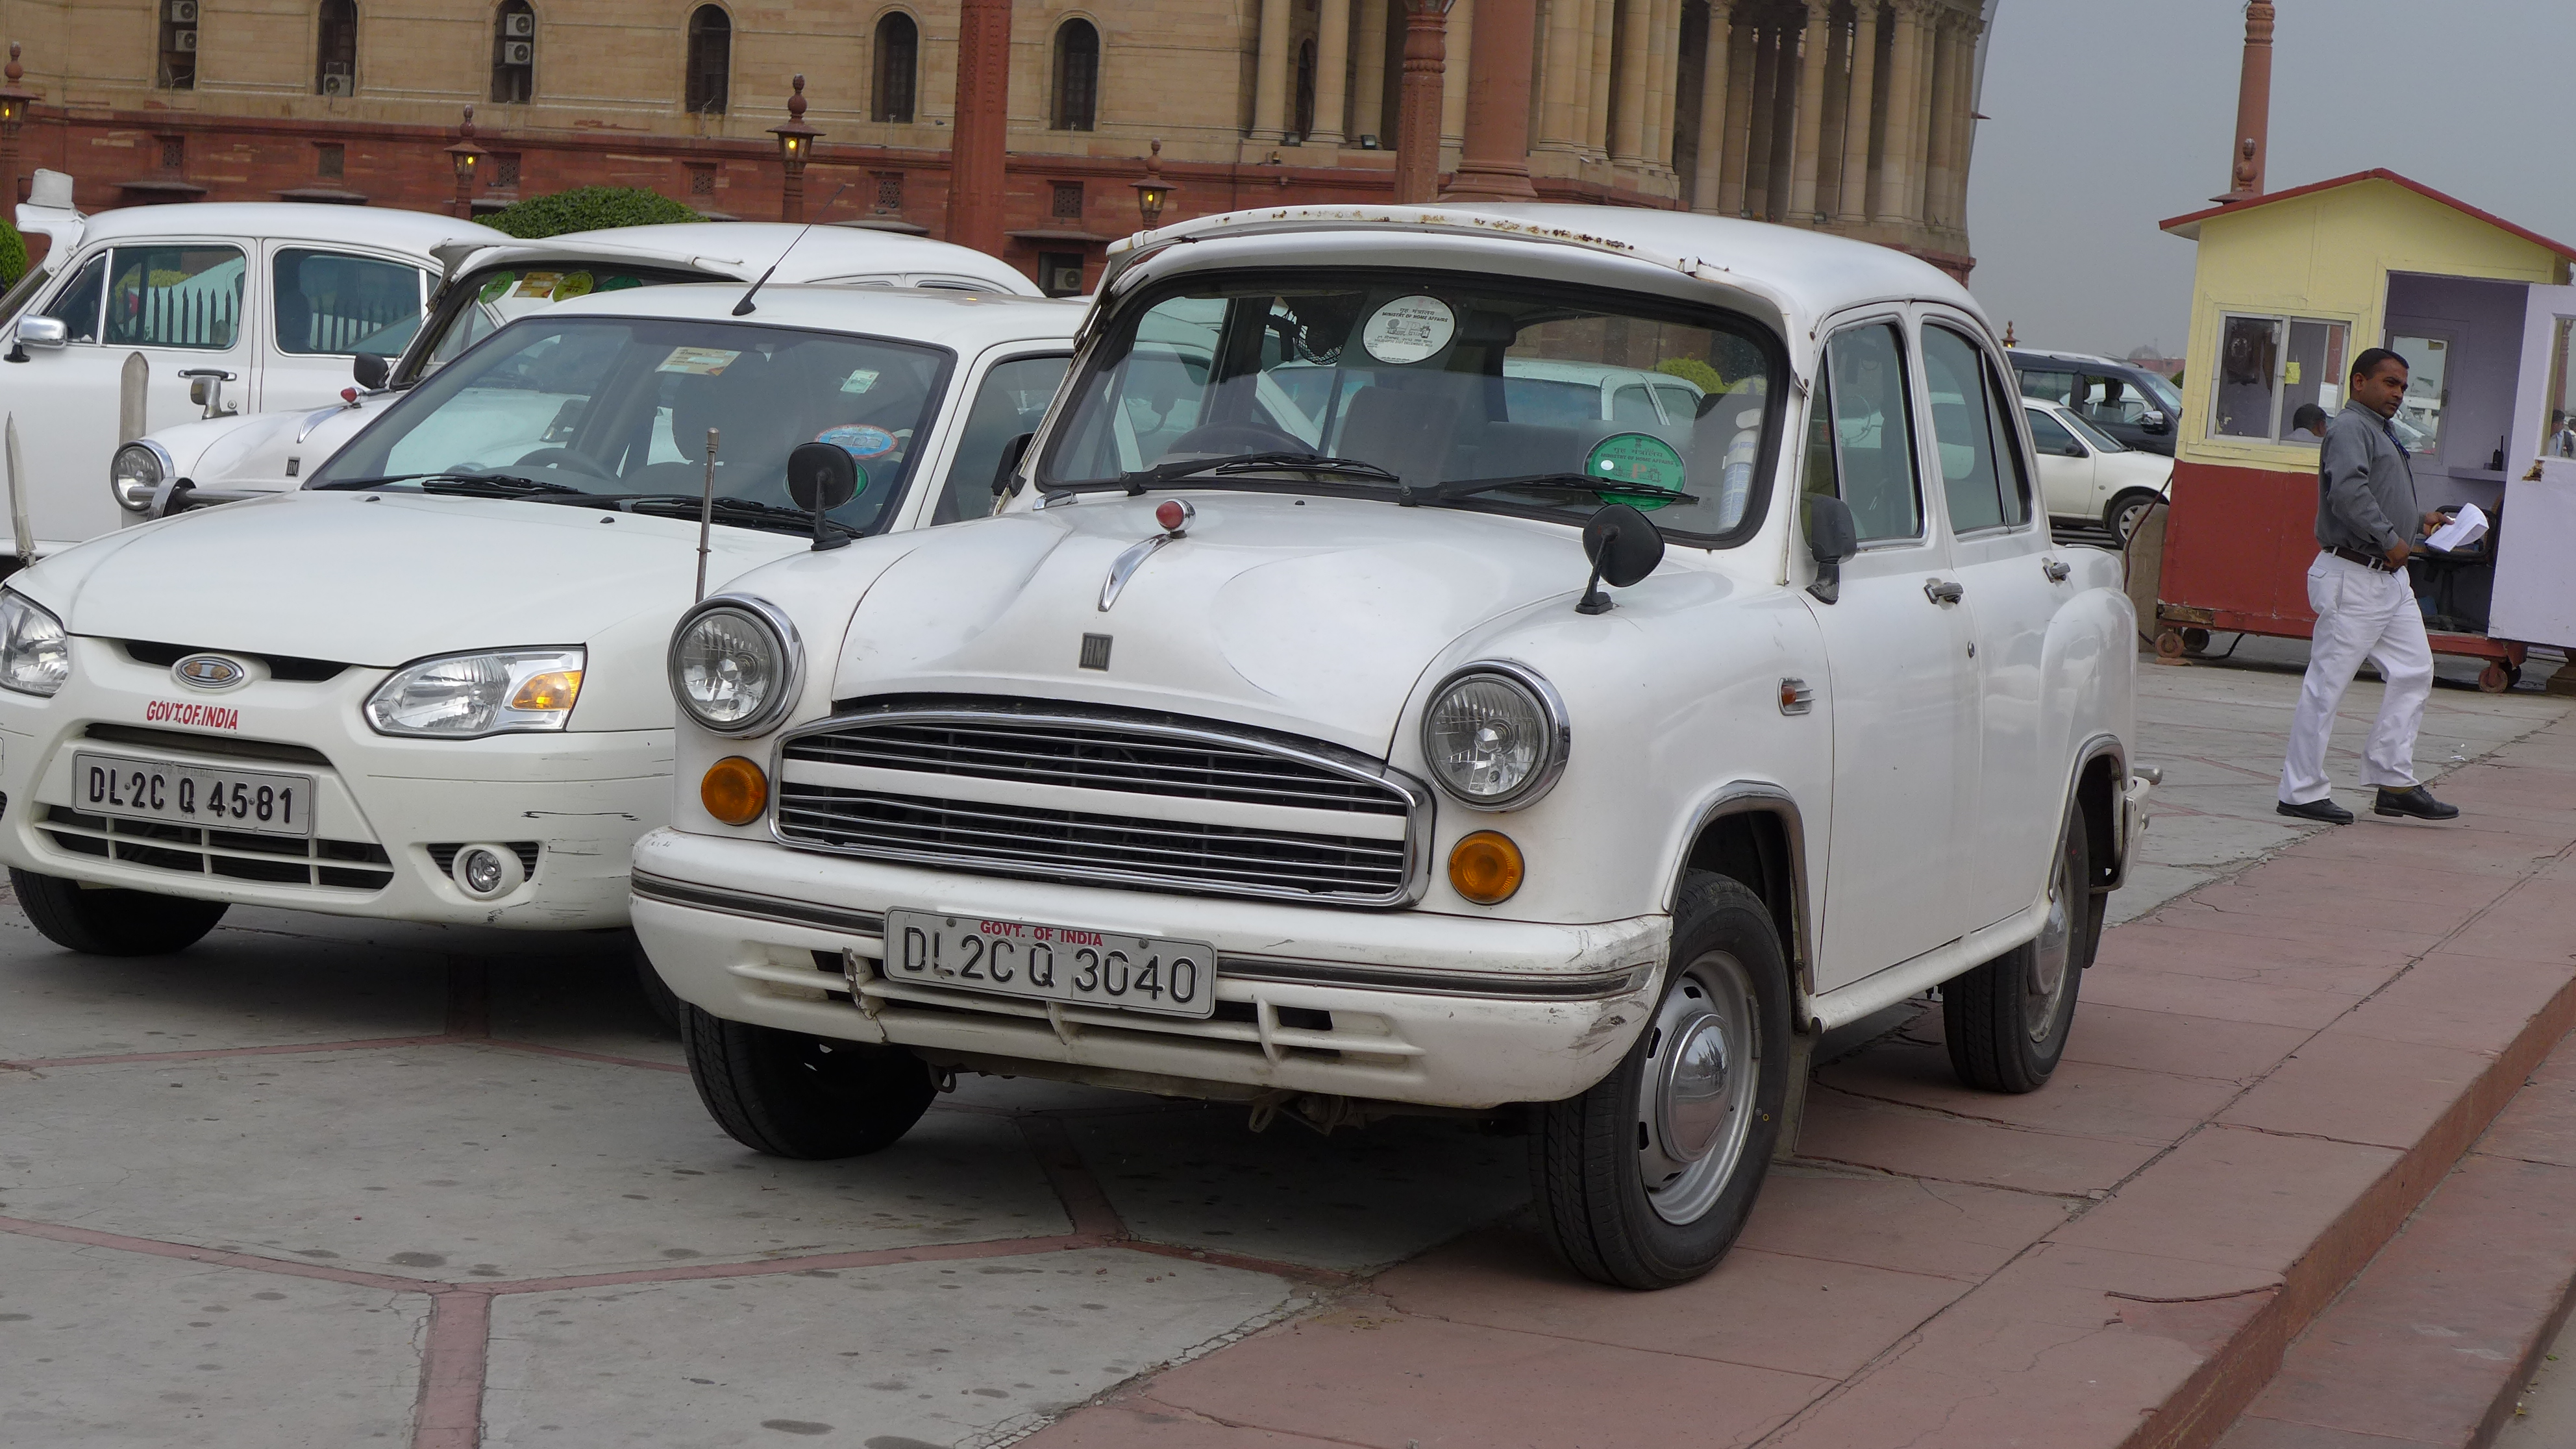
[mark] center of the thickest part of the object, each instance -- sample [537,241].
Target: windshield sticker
[1636,458]
[576,284]
[540,285]
[698,361]
[859,381]
[498,288]
[1409,329]
[860,441]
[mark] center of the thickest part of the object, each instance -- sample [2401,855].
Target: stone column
[1896,155]
[975,158]
[1605,44]
[1562,78]
[1917,198]
[1829,137]
[1784,119]
[1628,103]
[1458,37]
[1709,184]
[1811,114]
[1963,135]
[2248,147]
[1766,109]
[1858,115]
[1936,120]
[1368,79]
[1332,60]
[1663,45]
[1739,118]
[1493,165]
[1417,122]
[1270,73]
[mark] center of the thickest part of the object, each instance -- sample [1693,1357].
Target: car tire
[2007,1021]
[791,1095]
[2125,513]
[657,993]
[1643,1182]
[112,921]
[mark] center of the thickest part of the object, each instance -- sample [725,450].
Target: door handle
[1944,591]
[2056,571]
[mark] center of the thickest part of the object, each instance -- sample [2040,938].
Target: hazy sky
[2107,116]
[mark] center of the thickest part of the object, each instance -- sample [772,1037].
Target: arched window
[514,52]
[1077,76]
[898,61]
[1304,117]
[335,60]
[710,60]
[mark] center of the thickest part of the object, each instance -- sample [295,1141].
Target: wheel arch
[1751,831]
[2101,774]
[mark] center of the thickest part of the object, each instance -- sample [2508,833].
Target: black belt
[2366,560]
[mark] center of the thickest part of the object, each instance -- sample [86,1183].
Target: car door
[328,304]
[1903,688]
[1005,400]
[2000,548]
[2065,468]
[182,305]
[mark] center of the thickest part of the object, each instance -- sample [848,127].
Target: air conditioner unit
[183,12]
[336,84]
[521,26]
[518,52]
[183,40]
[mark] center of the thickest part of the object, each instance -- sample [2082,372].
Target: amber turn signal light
[735,791]
[1485,867]
[554,689]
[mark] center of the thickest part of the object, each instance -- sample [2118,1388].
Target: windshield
[1442,379]
[622,406]
[2166,393]
[2102,442]
[21,291]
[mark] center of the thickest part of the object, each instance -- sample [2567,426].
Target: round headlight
[734,665]
[1495,735]
[135,474]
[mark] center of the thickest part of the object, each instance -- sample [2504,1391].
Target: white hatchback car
[1381,746]
[428,685]
[2089,478]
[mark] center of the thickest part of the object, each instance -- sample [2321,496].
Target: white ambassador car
[1297,754]
[428,685]
[2089,478]
[190,464]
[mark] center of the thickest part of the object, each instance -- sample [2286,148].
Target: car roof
[414,231]
[966,321]
[747,248]
[2048,355]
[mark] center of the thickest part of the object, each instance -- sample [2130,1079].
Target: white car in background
[193,463]
[428,685]
[231,307]
[2089,478]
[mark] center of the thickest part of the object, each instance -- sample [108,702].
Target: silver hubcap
[2054,951]
[2127,522]
[1695,1097]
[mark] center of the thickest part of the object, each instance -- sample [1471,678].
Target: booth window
[335,61]
[1861,442]
[2279,378]
[1077,76]
[710,60]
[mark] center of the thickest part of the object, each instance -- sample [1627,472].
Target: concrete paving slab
[2348,1088]
[969,1352]
[2193,1046]
[2083,1098]
[116,1350]
[1917,1143]
[1909,1224]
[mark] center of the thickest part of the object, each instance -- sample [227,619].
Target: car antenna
[744,308]
[706,513]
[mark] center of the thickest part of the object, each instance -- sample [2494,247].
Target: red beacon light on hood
[1174,514]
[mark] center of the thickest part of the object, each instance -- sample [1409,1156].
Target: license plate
[255,802]
[1051,963]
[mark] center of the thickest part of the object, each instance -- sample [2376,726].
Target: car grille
[1023,788]
[190,850]
[280,666]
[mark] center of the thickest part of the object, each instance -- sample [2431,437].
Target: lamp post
[468,159]
[795,144]
[13,113]
[1152,190]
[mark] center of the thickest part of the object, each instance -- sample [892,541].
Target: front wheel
[791,1095]
[1645,1180]
[111,922]
[2126,512]
[2007,1020]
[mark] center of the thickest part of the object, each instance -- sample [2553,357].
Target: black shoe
[2414,800]
[2324,812]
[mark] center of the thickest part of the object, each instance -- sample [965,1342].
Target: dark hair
[2308,413]
[2367,364]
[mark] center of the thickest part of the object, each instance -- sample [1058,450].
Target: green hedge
[13,254]
[588,208]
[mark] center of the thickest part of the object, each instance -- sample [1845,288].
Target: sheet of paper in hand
[2466,529]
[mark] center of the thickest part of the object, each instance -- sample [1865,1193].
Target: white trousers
[2361,613]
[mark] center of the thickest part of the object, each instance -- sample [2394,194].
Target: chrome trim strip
[1560,735]
[757,907]
[791,648]
[1589,986]
[1125,568]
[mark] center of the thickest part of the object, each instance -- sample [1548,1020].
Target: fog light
[487,872]
[1485,867]
[734,790]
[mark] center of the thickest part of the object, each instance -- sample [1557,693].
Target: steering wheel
[1217,439]
[566,459]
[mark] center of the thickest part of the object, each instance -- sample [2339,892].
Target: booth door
[2534,600]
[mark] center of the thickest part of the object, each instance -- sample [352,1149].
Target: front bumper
[385,810]
[1396,1006]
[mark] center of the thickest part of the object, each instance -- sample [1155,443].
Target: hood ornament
[209,671]
[1174,515]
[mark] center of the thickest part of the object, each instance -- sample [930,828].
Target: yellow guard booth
[2290,286]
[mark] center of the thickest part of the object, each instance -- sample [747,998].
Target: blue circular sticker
[859,440]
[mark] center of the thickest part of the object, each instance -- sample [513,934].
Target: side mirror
[43,332]
[1831,538]
[1012,452]
[2153,421]
[370,369]
[2074,450]
[820,478]
[1624,546]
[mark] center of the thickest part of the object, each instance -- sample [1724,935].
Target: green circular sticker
[1635,458]
[499,287]
[574,284]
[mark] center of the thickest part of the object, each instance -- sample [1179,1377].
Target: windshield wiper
[1139,481]
[1571,482]
[499,485]
[746,512]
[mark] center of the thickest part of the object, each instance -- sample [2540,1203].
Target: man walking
[2365,607]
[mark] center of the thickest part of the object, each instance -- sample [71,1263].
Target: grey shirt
[2365,489]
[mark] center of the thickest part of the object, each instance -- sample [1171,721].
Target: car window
[327,302]
[2048,437]
[1860,438]
[1980,471]
[2048,386]
[2113,400]
[1010,401]
[185,294]
[1681,403]
[1546,400]
[479,302]
[2102,442]
[2165,393]
[1631,405]
[77,307]
[23,290]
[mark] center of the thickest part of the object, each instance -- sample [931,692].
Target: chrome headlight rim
[164,469]
[1556,747]
[579,653]
[791,673]
[15,606]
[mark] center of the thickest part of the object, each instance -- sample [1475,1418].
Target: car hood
[335,576]
[1315,615]
[253,450]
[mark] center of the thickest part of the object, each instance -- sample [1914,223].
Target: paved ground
[325,1183]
